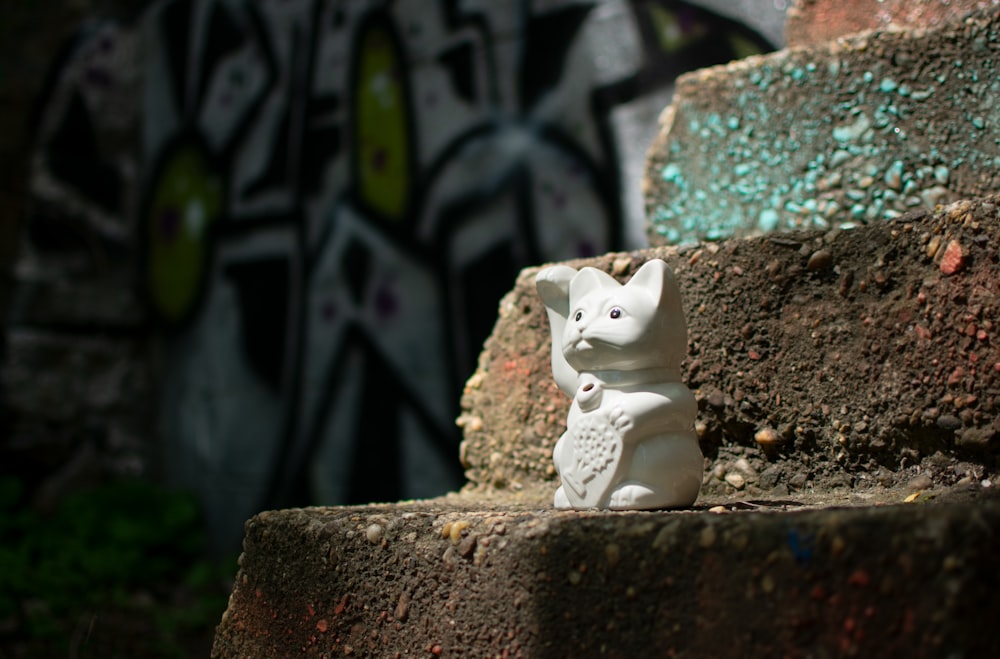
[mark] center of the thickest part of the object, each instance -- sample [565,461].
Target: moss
[93,556]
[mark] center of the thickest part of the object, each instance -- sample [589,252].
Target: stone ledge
[460,576]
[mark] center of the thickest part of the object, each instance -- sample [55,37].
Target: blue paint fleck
[941,174]
[767,220]
[672,174]
[854,131]
[802,546]
[839,158]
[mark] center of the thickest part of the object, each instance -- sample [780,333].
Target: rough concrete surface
[454,577]
[852,358]
[858,130]
[815,21]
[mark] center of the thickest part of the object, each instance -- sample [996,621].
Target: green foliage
[100,549]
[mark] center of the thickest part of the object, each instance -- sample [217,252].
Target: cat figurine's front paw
[639,496]
[561,500]
[621,421]
[631,496]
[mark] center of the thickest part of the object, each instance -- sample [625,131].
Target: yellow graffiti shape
[187,200]
[671,33]
[383,149]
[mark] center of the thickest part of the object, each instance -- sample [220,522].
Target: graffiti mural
[335,194]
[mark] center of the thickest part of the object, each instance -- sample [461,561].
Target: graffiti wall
[332,196]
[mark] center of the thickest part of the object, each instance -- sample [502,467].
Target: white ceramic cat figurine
[617,351]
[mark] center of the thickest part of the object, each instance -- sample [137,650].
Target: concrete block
[811,22]
[820,360]
[854,131]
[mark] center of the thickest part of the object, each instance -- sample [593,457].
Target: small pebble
[953,259]
[767,438]
[736,480]
[707,538]
[455,532]
[374,533]
[933,245]
[920,482]
[948,422]
[467,546]
[744,466]
[798,481]
[821,259]
[402,607]
[613,553]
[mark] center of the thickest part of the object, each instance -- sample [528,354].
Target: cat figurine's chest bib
[597,452]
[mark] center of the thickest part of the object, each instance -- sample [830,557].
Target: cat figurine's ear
[652,276]
[552,285]
[590,279]
[657,279]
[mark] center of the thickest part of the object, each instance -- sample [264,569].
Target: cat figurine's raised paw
[616,350]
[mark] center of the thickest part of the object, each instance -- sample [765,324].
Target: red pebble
[953,258]
[859,578]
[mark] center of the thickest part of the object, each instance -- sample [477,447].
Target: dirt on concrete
[852,360]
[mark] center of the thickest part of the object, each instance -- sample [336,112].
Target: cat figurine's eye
[616,312]
[578,316]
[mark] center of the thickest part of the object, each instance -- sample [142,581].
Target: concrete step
[860,129]
[824,360]
[464,576]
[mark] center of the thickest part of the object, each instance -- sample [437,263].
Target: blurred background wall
[255,247]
